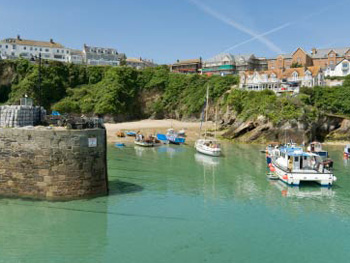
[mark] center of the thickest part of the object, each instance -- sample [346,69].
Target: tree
[296,65]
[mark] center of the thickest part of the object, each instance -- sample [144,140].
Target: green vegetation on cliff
[125,91]
[112,90]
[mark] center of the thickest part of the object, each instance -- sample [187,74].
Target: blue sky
[166,30]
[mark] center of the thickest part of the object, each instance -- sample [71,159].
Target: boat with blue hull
[171,137]
[292,166]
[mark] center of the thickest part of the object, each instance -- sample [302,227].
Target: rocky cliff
[261,130]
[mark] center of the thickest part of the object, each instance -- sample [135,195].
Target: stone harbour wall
[53,164]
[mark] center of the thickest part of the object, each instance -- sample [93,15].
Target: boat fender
[285,177]
[334,178]
[270,164]
[272,169]
[284,192]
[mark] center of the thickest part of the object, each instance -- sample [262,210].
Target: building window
[295,76]
[58,51]
[6,46]
[41,49]
[13,46]
[345,65]
[331,55]
[331,63]
[24,48]
[31,48]
[46,50]
[35,49]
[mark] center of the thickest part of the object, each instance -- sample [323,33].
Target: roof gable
[323,53]
[299,48]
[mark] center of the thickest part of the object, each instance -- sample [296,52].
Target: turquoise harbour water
[169,204]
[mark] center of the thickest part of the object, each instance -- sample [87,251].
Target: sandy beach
[148,127]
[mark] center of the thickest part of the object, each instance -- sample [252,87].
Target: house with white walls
[11,48]
[341,69]
[289,80]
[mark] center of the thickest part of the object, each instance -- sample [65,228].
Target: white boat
[144,143]
[206,146]
[292,165]
[141,141]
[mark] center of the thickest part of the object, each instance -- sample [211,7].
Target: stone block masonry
[53,164]
[20,116]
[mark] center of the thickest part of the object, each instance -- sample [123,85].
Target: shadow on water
[118,187]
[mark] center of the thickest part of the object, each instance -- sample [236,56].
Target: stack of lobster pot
[21,116]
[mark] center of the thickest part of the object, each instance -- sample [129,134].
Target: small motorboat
[155,141]
[130,133]
[151,141]
[144,143]
[292,165]
[174,138]
[171,137]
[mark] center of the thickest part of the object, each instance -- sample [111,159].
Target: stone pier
[53,164]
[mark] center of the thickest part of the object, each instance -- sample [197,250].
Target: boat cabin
[316,147]
[296,160]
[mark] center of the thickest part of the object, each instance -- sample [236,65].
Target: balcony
[226,67]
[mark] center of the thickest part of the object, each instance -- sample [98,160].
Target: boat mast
[216,119]
[206,113]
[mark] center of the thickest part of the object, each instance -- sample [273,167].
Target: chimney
[51,41]
[314,51]
[18,37]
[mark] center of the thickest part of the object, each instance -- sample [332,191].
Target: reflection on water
[207,161]
[311,190]
[169,204]
[139,150]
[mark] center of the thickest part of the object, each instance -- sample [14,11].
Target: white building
[289,80]
[139,63]
[341,69]
[76,57]
[17,47]
[260,80]
[101,56]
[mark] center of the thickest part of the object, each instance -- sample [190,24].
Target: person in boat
[290,163]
